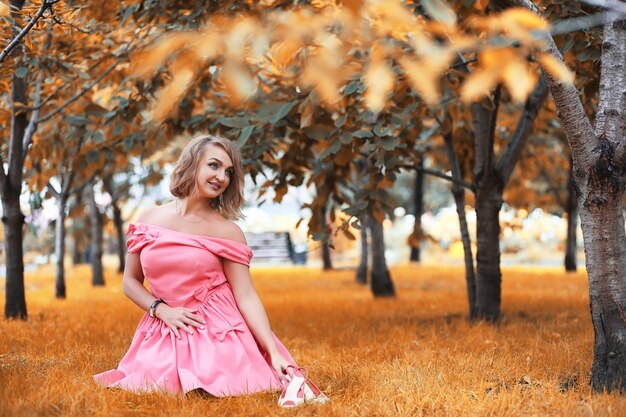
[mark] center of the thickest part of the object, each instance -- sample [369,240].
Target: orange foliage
[412,356]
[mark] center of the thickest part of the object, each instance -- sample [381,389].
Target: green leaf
[389,143]
[273,111]
[341,120]
[77,120]
[362,134]
[21,72]
[93,157]
[317,132]
[244,136]
[351,87]
[235,122]
[129,11]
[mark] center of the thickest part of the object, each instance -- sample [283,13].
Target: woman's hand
[179,318]
[283,367]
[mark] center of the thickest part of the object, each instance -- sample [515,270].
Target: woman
[205,327]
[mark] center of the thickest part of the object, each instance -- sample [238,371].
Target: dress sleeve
[231,250]
[136,239]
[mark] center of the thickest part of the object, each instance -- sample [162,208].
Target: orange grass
[410,356]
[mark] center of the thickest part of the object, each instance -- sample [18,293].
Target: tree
[599,158]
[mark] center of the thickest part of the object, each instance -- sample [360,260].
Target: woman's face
[214,172]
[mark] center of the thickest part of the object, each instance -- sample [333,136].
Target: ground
[409,356]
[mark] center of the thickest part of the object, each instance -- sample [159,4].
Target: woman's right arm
[174,318]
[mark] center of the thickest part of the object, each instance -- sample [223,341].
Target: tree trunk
[381,283]
[13,219]
[418,204]
[59,249]
[572,223]
[599,156]
[96,238]
[468,257]
[361,272]
[459,200]
[119,230]
[488,274]
[602,223]
[10,190]
[327,262]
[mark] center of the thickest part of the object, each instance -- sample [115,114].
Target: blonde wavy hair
[183,180]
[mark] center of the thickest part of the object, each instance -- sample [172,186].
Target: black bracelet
[153,306]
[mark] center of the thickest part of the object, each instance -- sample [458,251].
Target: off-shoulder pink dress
[223,359]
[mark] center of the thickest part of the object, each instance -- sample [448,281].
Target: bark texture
[97,271]
[13,219]
[110,188]
[361,272]
[381,283]
[59,249]
[459,200]
[10,190]
[418,204]
[572,224]
[600,175]
[327,263]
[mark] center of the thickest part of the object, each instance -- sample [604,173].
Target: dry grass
[415,355]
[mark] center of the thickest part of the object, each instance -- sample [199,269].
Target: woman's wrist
[159,308]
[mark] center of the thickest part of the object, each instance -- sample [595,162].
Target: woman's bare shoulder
[155,214]
[231,231]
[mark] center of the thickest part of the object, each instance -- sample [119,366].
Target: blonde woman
[205,327]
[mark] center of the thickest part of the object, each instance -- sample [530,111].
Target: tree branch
[65,84]
[511,155]
[484,121]
[611,114]
[3,177]
[441,175]
[53,191]
[576,124]
[45,5]
[80,93]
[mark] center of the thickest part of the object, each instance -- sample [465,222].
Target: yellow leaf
[306,117]
[147,62]
[240,84]
[379,80]
[440,11]
[5,10]
[523,18]
[325,83]
[354,6]
[556,68]
[422,79]
[170,95]
[283,53]
[208,45]
[518,79]
[479,83]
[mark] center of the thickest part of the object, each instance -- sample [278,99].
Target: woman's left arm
[253,312]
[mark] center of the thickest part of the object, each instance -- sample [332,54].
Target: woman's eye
[229,173]
[213,165]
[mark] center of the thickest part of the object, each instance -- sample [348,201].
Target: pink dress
[185,269]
